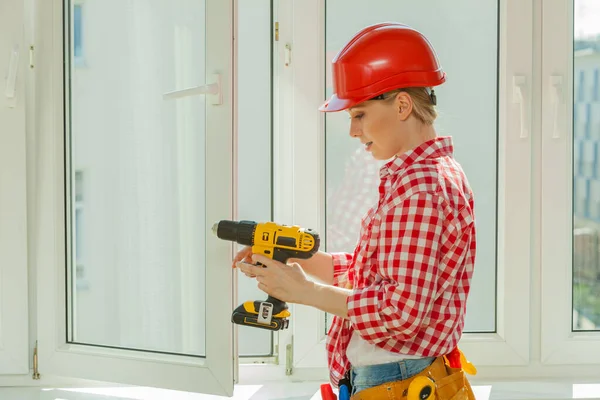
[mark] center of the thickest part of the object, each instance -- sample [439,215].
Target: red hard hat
[381,58]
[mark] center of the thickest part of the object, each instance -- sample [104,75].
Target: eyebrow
[356,108]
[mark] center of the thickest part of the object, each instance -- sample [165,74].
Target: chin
[380,157]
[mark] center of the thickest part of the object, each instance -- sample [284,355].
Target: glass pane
[136,175]
[351,174]
[254,141]
[586,170]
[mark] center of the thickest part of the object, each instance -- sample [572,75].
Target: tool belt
[437,382]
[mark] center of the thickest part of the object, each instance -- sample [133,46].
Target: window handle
[520,98]
[11,78]
[212,89]
[556,86]
[288,54]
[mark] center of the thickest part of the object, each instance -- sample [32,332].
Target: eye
[358,116]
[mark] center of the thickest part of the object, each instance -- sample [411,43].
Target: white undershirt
[361,353]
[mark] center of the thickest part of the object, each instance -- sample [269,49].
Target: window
[492,140]
[570,186]
[151,169]
[254,148]
[126,183]
[352,175]
[145,192]
[586,202]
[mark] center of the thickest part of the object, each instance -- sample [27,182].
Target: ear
[404,105]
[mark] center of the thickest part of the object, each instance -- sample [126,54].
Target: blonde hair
[423,106]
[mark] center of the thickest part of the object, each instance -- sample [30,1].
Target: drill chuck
[241,232]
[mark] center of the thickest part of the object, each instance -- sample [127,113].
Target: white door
[14,56]
[135,169]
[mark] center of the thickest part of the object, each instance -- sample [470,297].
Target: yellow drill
[278,242]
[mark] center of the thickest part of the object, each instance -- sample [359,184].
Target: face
[380,125]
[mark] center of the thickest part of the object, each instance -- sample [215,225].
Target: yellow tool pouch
[437,382]
[454,386]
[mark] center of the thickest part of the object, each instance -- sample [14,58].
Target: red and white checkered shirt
[411,269]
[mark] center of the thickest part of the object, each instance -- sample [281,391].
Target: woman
[400,297]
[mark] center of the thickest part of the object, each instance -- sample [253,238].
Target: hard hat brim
[336,104]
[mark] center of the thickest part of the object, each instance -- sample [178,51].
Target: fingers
[249,275]
[244,255]
[246,263]
[262,287]
[241,255]
[249,269]
[259,258]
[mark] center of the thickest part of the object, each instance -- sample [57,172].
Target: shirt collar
[434,148]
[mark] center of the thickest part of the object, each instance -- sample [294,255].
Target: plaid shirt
[411,269]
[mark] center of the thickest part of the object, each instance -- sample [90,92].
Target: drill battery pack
[262,314]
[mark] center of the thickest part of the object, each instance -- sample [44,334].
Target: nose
[355,130]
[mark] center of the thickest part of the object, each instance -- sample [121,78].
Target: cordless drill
[278,242]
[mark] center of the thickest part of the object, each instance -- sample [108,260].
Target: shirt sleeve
[341,263]
[408,244]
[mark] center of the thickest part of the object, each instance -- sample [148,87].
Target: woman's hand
[244,255]
[284,282]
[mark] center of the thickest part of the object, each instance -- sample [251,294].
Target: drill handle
[276,302]
[281,255]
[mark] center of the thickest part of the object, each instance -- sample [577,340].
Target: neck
[416,137]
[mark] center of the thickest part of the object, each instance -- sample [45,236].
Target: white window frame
[213,374]
[510,345]
[256,370]
[559,344]
[254,88]
[14,97]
